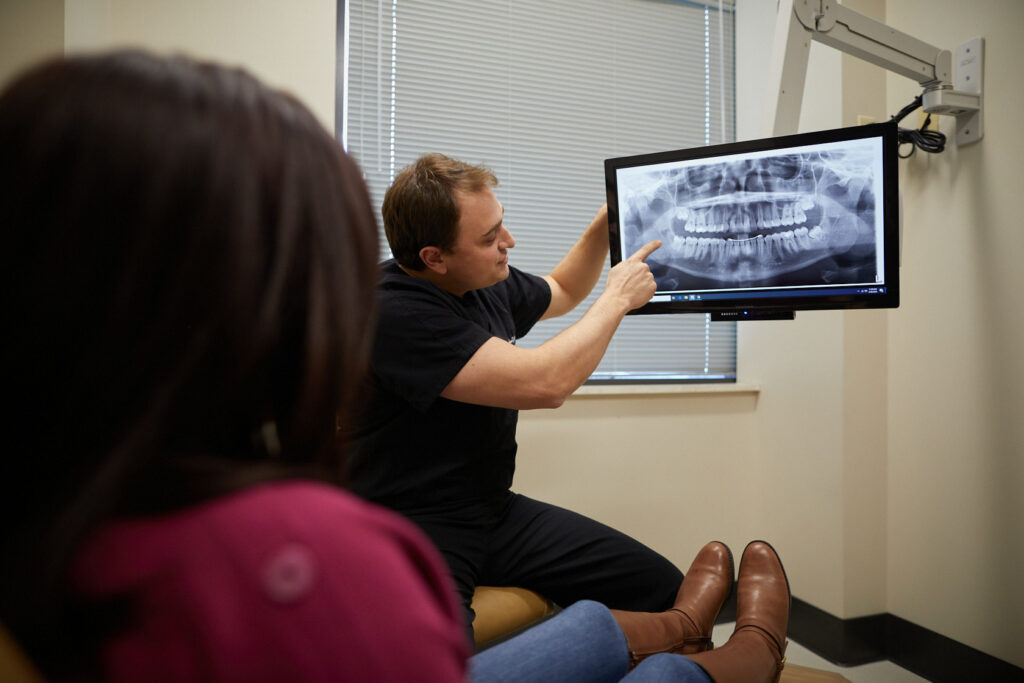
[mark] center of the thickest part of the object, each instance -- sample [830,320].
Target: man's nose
[507,240]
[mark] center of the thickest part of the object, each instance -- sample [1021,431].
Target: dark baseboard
[851,642]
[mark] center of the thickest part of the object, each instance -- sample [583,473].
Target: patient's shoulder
[276,579]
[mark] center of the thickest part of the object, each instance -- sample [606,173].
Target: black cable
[931,141]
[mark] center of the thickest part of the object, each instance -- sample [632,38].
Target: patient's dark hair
[188,261]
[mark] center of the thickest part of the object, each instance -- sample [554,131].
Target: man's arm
[578,272]
[506,376]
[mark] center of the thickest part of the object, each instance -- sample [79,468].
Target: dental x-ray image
[800,217]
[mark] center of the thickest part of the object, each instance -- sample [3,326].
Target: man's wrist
[613,303]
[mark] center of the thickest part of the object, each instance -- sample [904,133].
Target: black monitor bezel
[750,308]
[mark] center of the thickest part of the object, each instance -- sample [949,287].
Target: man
[437,440]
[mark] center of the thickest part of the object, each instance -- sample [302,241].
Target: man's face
[480,256]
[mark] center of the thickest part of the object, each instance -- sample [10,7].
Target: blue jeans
[581,643]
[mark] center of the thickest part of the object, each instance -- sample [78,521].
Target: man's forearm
[506,376]
[570,357]
[573,355]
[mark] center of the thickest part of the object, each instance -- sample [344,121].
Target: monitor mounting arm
[800,21]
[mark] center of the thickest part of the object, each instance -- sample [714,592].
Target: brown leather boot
[755,653]
[686,627]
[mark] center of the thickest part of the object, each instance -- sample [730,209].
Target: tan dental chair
[502,611]
[14,665]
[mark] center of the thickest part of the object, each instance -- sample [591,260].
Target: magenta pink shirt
[291,581]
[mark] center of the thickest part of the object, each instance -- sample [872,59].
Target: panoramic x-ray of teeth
[793,219]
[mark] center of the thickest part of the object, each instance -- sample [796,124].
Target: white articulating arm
[873,41]
[828,22]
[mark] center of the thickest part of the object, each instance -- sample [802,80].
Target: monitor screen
[750,229]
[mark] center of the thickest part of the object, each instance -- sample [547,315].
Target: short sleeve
[529,297]
[425,335]
[422,343]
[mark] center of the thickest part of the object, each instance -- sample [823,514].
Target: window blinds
[541,92]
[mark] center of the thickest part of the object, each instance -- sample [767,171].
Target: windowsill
[696,388]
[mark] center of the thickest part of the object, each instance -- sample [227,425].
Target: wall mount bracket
[952,84]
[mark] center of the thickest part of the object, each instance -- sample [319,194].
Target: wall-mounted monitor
[762,228]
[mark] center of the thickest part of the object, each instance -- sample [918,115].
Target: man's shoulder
[391,277]
[516,276]
[395,287]
[519,284]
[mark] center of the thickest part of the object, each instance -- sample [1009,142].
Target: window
[542,92]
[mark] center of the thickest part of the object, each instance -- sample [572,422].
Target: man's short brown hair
[420,209]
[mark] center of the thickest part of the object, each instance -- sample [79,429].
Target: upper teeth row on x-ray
[751,219]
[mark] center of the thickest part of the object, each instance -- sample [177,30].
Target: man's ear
[434,259]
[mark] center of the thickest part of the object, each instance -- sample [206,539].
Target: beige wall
[30,30]
[289,45]
[883,453]
[956,354]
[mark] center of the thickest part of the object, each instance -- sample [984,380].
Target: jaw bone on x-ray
[792,219]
